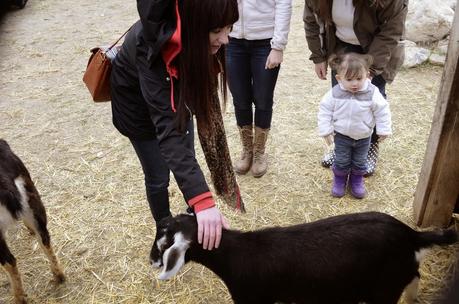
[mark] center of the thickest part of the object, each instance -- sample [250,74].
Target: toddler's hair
[350,65]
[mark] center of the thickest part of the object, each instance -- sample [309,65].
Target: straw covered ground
[92,185]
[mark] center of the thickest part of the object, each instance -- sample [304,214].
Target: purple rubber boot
[339,182]
[357,184]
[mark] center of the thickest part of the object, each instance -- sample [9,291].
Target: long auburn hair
[324,7]
[198,68]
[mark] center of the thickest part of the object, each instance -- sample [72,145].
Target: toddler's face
[353,84]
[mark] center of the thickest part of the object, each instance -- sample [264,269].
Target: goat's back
[354,233]
[333,236]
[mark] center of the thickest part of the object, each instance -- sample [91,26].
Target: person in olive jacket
[164,73]
[374,27]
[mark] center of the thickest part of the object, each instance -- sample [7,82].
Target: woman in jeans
[166,73]
[254,55]
[373,27]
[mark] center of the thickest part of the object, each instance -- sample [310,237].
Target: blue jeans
[351,153]
[157,173]
[249,81]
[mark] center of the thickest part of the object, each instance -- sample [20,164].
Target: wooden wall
[437,192]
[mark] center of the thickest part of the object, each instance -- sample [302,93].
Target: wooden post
[438,188]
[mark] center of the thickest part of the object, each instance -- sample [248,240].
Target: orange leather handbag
[97,74]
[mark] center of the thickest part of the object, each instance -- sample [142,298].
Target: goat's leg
[45,243]
[56,269]
[29,228]
[8,262]
[36,221]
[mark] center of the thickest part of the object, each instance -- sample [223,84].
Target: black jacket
[141,95]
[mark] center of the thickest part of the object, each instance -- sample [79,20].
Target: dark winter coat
[142,104]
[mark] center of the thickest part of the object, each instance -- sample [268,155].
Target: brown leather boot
[242,165]
[260,160]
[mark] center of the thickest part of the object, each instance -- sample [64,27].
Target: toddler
[348,114]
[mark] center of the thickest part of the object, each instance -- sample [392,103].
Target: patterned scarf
[215,148]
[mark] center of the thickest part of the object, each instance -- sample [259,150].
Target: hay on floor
[92,184]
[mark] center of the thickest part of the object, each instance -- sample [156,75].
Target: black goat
[363,257]
[19,199]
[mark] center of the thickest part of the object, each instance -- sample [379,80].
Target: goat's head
[173,238]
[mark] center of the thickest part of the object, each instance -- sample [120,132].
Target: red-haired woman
[374,27]
[166,73]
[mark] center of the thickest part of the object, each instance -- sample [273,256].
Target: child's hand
[329,139]
[382,137]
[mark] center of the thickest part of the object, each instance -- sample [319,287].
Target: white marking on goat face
[174,257]
[160,246]
[161,242]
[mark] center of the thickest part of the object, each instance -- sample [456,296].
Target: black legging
[157,173]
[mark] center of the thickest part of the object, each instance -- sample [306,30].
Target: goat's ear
[174,257]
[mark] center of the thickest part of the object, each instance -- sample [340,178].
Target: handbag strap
[118,40]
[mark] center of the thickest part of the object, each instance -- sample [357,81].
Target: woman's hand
[275,58]
[321,70]
[210,223]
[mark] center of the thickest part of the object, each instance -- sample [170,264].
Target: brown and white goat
[348,259]
[19,199]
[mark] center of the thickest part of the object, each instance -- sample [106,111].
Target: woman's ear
[174,257]
[338,77]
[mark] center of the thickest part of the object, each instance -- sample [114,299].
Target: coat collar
[366,93]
